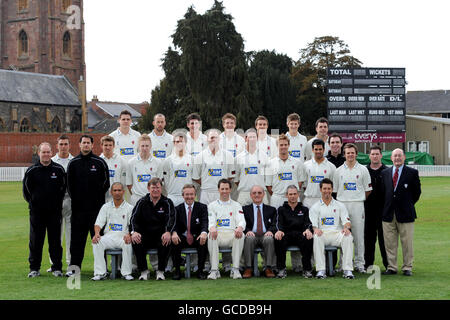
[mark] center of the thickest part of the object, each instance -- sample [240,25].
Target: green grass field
[431,279]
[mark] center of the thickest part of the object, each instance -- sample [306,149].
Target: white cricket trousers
[356,214]
[112,241]
[206,197]
[225,239]
[277,200]
[337,239]
[176,199]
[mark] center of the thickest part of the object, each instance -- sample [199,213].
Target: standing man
[373,208]
[212,165]
[126,139]
[115,215]
[177,169]
[196,140]
[44,187]
[251,169]
[260,222]
[162,142]
[335,154]
[229,139]
[294,228]
[284,171]
[141,169]
[87,183]
[297,141]
[353,186]
[152,222]
[331,225]
[226,229]
[63,158]
[401,190]
[265,144]
[191,231]
[314,171]
[116,164]
[322,134]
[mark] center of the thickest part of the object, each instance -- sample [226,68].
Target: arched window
[67,45]
[75,124]
[56,125]
[23,43]
[2,125]
[25,125]
[22,5]
[66,4]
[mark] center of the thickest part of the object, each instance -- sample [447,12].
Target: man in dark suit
[193,233]
[401,190]
[259,231]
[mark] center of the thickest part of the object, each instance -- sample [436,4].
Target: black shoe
[389,272]
[201,275]
[176,275]
[407,273]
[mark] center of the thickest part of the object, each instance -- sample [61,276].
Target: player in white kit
[196,140]
[177,169]
[322,134]
[116,164]
[210,166]
[251,168]
[297,141]
[266,144]
[141,169]
[63,158]
[125,138]
[331,224]
[352,183]
[314,171]
[162,142]
[115,217]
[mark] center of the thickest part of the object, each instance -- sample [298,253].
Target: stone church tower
[41,36]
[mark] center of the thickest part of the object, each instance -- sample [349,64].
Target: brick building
[40,36]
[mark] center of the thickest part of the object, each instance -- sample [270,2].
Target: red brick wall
[16,149]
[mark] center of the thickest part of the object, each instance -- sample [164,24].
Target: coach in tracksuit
[87,183]
[44,186]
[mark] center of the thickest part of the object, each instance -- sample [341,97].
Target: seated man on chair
[115,215]
[331,224]
[260,228]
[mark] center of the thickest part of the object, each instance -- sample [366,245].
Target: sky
[126,40]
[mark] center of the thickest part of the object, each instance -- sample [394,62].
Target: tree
[310,72]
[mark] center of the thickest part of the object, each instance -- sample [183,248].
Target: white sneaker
[214,275]
[227,268]
[99,277]
[321,274]
[236,274]
[348,274]
[57,273]
[361,270]
[282,274]
[34,274]
[49,269]
[144,275]
[160,275]
[128,277]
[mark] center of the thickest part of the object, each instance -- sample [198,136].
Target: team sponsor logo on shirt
[126,151]
[93,168]
[251,170]
[285,176]
[223,222]
[159,153]
[180,173]
[317,179]
[327,221]
[53,176]
[350,186]
[143,177]
[115,227]
[215,172]
[295,153]
[112,173]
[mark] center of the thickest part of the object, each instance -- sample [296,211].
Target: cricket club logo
[231,214]
[325,171]
[357,176]
[115,166]
[132,142]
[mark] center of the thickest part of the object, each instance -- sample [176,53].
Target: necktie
[259,225]
[395,178]
[189,238]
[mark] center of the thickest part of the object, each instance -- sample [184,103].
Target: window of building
[23,43]
[75,124]
[67,45]
[56,125]
[25,125]
[66,4]
[2,125]
[22,5]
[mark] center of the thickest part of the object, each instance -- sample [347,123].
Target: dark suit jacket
[405,196]
[269,216]
[199,219]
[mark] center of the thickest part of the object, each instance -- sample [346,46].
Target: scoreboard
[366,100]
